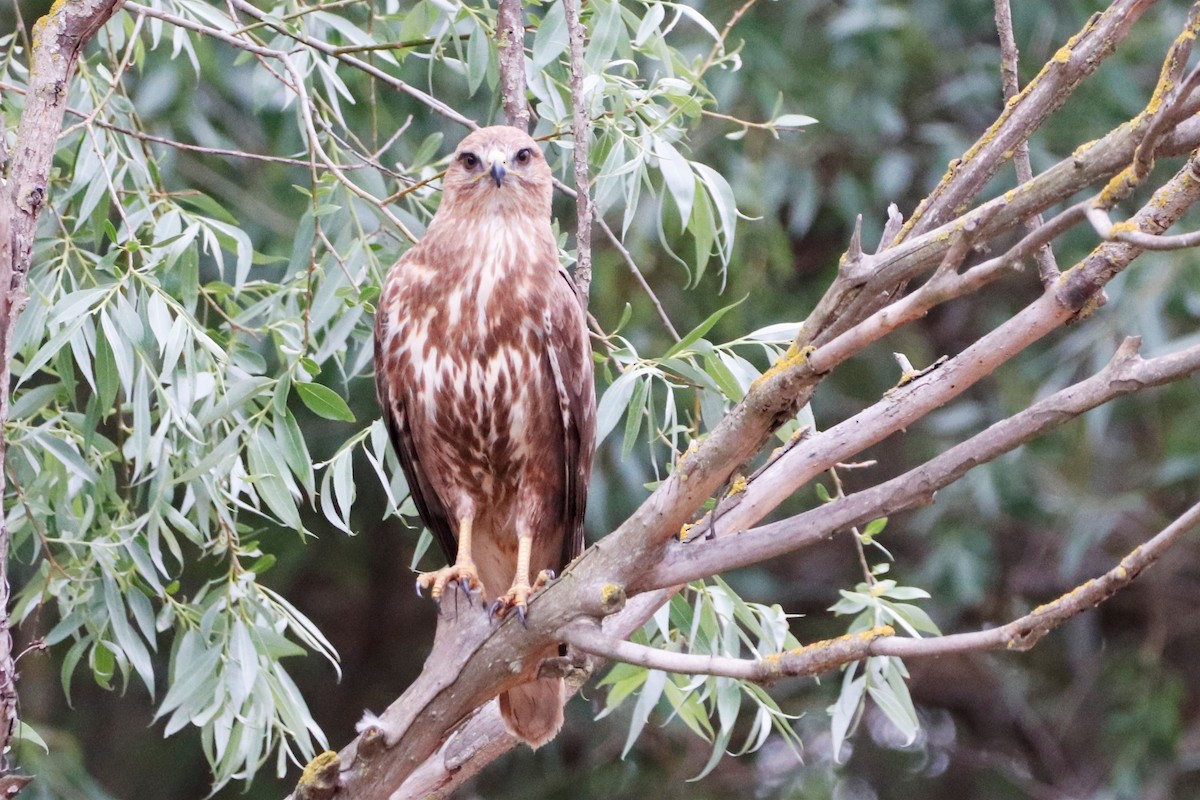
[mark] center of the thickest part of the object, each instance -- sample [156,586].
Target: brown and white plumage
[484,372]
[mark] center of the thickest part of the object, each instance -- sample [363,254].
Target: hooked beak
[498,171]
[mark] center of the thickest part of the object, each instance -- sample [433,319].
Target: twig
[240,42]
[1120,232]
[639,277]
[719,46]
[324,47]
[579,154]
[1047,266]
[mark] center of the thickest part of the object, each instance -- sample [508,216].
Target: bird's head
[499,169]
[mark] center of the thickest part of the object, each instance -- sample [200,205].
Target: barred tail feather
[533,712]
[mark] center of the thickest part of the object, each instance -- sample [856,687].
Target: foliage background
[1107,706]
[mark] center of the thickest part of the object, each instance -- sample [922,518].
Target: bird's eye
[523,155]
[469,160]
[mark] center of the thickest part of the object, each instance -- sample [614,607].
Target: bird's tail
[533,712]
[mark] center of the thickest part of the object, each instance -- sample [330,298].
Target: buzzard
[484,372]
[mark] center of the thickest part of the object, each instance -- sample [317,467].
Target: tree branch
[615,241]
[735,547]
[1077,59]
[580,128]
[370,69]
[820,657]
[58,38]
[510,38]
[474,661]
[1047,268]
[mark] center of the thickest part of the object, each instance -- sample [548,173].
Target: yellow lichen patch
[1156,99]
[1117,187]
[318,765]
[1010,195]
[611,593]
[738,486]
[692,447]
[38,27]
[1121,573]
[1062,56]
[1123,227]
[1127,561]
[685,530]
[1093,302]
[877,631]
[792,358]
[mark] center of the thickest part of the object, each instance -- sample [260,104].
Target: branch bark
[58,38]
[1077,59]
[1009,79]
[510,38]
[580,131]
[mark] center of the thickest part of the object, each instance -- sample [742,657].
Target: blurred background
[1107,706]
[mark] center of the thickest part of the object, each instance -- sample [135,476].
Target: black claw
[437,603]
[550,575]
[522,616]
[419,588]
[493,609]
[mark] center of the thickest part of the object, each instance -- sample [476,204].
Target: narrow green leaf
[24,732]
[704,327]
[651,691]
[614,401]
[324,402]
[70,662]
[633,417]
[478,55]
[792,121]
[875,527]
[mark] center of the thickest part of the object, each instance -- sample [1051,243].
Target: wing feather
[393,397]
[569,359]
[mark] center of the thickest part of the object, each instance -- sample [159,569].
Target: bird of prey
[484,372]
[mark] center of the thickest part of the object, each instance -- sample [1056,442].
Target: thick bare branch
[580,128]
[859,292]
[482,737]
[700,558]
[1076,294]
[510,39]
